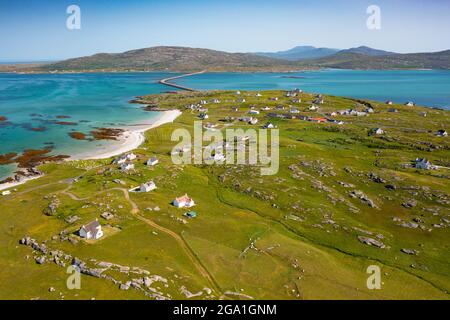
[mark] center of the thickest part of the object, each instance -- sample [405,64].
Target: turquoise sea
[424,87]
[101,100]
[90,100]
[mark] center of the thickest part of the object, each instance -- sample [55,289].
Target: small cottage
[92,230]
[147,187]
[191,214]
[126,166]
[422,163]
[183,201]
[152,161]
[253,121]
[377,131]
[269,125]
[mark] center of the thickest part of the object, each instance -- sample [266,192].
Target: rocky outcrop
[371,242]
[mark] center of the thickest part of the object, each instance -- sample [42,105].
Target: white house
[238,92]
[253,111]
[274,99]
[422,163]
[152,161]
[291,94]
[245,119]
[5,193]
[294,110]
[296,100]
[258,95]
[241,100]
[442,133]
[266,108]
[215,101]
[93,230]
[378,131]
[147,187]
[126,166]
[313,108]
[183,202]
[410,104]
[126,157]
[253,121]
[218,156]
[269,125]
[389,102]
[204,116]
[318,100]
[203,102]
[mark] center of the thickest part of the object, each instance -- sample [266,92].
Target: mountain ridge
[185,59]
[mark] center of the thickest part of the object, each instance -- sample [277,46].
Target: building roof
[92,227]
[184,198]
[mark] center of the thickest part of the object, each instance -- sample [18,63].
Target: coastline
[9,185]
[131,139]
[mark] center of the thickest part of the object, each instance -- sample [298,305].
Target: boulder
[371,242]
[409,251]
[40,259]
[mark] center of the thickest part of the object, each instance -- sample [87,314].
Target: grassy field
[293,235]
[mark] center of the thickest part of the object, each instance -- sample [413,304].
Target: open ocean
[101,100]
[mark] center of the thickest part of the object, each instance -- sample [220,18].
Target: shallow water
[90,100]
[424,87]
[101,100]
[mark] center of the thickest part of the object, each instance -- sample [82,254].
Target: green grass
[306,258]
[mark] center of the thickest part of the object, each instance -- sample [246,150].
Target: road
[167,83]
[135,212]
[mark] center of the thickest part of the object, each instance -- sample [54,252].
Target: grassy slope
[294,260]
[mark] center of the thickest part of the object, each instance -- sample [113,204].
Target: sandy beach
[131,139]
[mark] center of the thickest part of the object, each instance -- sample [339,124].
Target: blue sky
[36,29]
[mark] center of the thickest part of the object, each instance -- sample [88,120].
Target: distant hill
[173,59]
[349,60]
[193,59]
[299,53]
[367,51]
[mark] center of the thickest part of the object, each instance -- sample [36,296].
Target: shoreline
[131,139]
